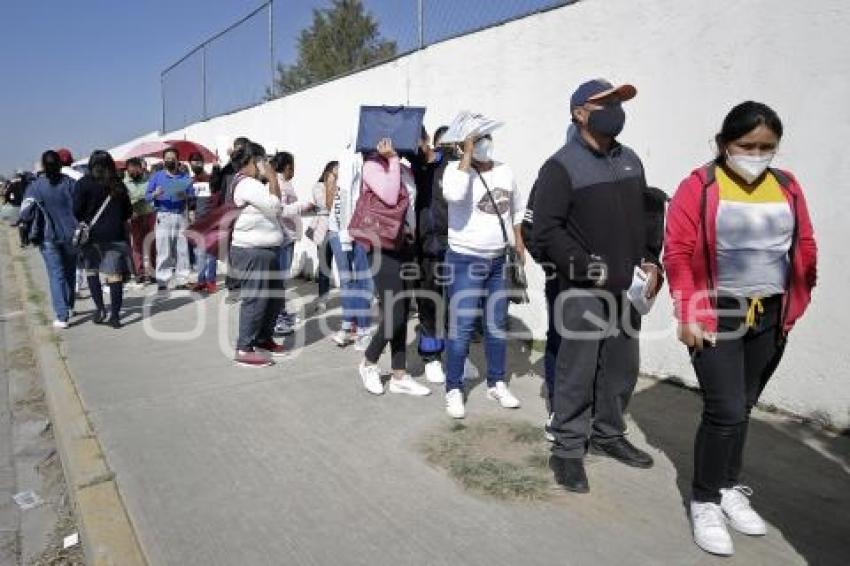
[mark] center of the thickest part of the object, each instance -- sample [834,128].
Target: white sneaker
[454,404]
[362,341]
[469,370]
[547,429]
[343,338]
[503,395]
[434,372]
[408,386]
[371,376]
[60,324]
[710,532]
[735,504]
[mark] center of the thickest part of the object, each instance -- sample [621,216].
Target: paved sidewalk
[299,465]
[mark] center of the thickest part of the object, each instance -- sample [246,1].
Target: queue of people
[738,251]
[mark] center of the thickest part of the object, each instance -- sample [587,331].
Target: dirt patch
[22,358]
[497,458]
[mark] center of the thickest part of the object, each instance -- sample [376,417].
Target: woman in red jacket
[740,257]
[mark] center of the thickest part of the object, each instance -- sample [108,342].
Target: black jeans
[257,272]
[392,327]
[732,375]
[431,302]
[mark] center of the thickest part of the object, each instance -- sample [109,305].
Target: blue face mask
[438,156]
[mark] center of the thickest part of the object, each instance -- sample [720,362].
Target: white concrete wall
[691,61]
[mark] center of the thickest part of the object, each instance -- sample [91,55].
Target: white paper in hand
[467,123]
[638,290]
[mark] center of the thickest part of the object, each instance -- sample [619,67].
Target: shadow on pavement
[802,492]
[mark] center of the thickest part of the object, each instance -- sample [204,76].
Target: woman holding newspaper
[485,212]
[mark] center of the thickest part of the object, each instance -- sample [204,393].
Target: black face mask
[171,165]
[607,121]
[197,170]
[137,177]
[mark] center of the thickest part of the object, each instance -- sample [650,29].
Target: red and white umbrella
[184,149]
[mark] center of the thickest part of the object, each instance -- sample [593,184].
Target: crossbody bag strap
[495,207]
[100,211]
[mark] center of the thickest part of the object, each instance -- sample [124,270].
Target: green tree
[342,38]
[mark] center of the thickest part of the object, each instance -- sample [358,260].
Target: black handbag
[514,269]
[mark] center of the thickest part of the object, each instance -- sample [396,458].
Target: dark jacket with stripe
[591,203]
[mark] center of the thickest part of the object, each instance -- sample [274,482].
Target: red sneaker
[271,347]
[212,288]
[199,288]
[251,359]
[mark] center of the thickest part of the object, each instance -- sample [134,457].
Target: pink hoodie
[383,177]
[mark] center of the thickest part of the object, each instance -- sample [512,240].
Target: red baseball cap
[65,156]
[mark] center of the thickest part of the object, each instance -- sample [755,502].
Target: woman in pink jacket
[392,184]
[740,256]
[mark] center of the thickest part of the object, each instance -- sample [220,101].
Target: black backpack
[32,231]
[527,229]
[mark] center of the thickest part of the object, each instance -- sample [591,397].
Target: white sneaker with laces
[434,372]
[503,395]
[60,324]
[343,338]
[735,504]
[362,341]
[709,526]
[454,404]
[371,376]
[408,386]
[469,370]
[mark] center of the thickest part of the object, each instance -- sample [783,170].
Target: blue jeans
[553,340]
[474,278]
[355,282]
[60,259]
[287,254]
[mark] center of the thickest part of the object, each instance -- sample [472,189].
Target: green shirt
[137,195]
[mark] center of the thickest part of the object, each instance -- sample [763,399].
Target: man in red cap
[66,159]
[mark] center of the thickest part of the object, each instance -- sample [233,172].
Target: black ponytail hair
[51,164]
[743,119]
[242,156]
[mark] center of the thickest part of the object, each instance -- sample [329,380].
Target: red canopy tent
[184,148]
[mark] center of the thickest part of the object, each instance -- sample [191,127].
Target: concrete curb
[106,531]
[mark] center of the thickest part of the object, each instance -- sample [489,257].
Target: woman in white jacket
[254,256]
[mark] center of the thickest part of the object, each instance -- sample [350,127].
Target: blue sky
[85,74]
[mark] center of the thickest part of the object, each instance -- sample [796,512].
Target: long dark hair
[743,119]
[328,168]
[102,169]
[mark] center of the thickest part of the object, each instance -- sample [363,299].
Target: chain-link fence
[287,45]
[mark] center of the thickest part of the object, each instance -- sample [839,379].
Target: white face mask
[483,150]
[749,167]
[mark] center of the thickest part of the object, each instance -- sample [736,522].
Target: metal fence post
[272,87]
[204,78]
[162,98]
[420,23]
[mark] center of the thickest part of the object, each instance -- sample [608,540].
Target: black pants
[431,302]
[392,327]
[257,271]
[595,373]
[732,375]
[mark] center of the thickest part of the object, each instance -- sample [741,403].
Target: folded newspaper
[467,123]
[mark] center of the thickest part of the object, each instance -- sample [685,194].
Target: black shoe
[569,473]
[115,323]
[99,316]
[624,451]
